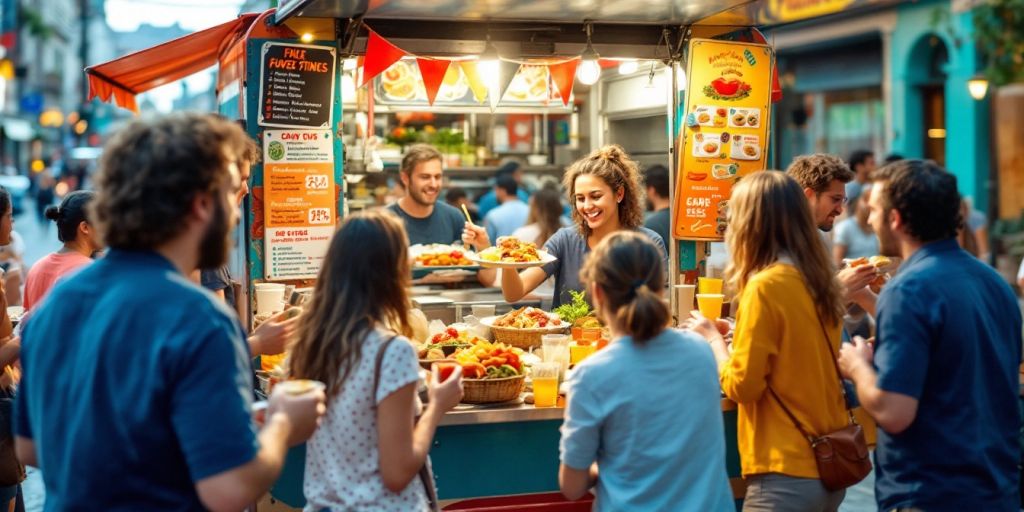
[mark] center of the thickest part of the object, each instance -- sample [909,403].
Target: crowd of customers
[162,371]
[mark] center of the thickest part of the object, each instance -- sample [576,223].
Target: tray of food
[440,256]
[512,253]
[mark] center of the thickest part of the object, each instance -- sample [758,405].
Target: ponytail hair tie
[638,283]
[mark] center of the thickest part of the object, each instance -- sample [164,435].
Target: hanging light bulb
[589,71]
[487,64]
[628,67]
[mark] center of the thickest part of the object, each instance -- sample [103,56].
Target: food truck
[334,92]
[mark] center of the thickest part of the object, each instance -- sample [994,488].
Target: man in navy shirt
[944,383]
[136,386]
[427,220]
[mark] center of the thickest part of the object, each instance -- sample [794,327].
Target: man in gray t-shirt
[427,220]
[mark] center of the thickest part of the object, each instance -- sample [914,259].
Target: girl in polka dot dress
[369,448]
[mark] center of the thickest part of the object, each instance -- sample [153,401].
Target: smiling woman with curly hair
[606,190]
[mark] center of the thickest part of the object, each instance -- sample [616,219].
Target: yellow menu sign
[725,131]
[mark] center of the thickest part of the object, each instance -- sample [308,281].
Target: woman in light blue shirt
[644,422]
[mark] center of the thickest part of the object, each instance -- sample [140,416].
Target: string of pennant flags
[492,84]
[382,54]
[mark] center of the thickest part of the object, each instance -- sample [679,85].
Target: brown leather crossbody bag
[842,455]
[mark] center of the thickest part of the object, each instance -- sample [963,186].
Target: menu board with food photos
[402,85]
[725,131]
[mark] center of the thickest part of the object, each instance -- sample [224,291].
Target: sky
[127,15]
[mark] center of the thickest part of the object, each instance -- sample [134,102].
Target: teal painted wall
[967,120]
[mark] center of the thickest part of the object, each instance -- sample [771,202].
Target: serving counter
[482,451]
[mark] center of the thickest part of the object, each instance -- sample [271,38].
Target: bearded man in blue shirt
[943,385]
[136,387]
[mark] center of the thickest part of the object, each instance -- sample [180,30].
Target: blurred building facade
[886,76]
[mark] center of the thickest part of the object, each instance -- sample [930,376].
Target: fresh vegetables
[487,360]
[578,308]
[442,344]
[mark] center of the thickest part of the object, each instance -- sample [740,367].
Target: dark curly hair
[614,167]
[151,171]
[818,171]
[926,196]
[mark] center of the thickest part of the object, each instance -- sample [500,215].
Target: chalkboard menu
[296,85]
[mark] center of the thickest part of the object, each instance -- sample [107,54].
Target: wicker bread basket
[489,391]
[523,338]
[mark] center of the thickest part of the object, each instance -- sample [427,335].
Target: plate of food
[442,345]
[512,253]
[526,318]
[440,256]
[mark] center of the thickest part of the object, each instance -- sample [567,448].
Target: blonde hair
[628,268]
[615,168]
[769,217]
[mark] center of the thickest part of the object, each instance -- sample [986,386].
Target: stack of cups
[556,350]
[710,298]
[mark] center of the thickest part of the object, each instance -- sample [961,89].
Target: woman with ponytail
[605,189]
[644,422]
[80,242]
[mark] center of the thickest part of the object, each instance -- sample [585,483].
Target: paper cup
[684,300]
[269,298]
[301,386]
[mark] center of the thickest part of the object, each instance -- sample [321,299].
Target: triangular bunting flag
[476,84]
[380,55]
[432,71]
[563,75]
[506,72]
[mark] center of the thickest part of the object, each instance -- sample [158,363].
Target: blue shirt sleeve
[210,407]
[492,232]
[581,430]
[904,325]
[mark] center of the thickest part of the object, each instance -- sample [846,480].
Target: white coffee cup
[269,298]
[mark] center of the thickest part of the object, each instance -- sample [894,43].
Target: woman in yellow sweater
[789,308]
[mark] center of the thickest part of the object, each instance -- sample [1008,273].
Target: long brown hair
[546,212]
[769,217]
[614,167]
[361,286]
[628,268]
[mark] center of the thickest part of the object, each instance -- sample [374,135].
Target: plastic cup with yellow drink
[710,305]
[709,285]
[545,383]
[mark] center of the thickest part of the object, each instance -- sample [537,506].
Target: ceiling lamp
[628,67]
[487,62]
[978,86]
[589,71]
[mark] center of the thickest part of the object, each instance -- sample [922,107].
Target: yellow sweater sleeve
[755,342]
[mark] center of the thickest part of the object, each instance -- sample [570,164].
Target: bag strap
[842,389]
[377,365]
[425,474]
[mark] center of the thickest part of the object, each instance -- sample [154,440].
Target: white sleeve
[399,368]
